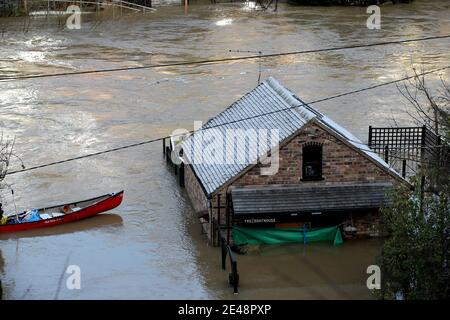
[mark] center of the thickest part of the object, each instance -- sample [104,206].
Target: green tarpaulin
[243,235]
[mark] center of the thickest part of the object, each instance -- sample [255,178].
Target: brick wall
[8,7]
[341,164]
[194,190]
[367,223]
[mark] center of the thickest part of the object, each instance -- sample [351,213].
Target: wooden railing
[132,6]
[48,4]
[168,145]
[407,147]
[233,276]
[178,168]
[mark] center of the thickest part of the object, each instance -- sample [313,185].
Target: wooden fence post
[422,143]
[386,153]
[305,241]
[233,276]
[404,168]
[181,174]
[228,218]
[224,252]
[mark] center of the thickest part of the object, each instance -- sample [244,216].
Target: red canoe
[64,213]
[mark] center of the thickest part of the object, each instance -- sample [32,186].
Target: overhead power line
[231,122]
[221,60]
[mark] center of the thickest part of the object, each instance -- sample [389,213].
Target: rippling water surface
[151,246]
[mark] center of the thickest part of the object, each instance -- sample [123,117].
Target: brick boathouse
[271,160]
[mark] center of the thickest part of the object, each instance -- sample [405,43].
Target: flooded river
[151,246]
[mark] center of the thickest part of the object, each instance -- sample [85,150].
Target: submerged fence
[233,277]
[24,7]
[9,7]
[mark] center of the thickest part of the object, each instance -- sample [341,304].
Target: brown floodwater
[151,247]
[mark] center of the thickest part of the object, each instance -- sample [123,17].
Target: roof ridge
[293,100]
[315,186]
[269,105]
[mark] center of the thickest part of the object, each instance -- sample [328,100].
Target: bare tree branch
[431,108]
[6,153]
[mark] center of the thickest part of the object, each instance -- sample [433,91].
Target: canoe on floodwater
[60,214]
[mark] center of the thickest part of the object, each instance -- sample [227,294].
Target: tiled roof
[268,106]
[308,199]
